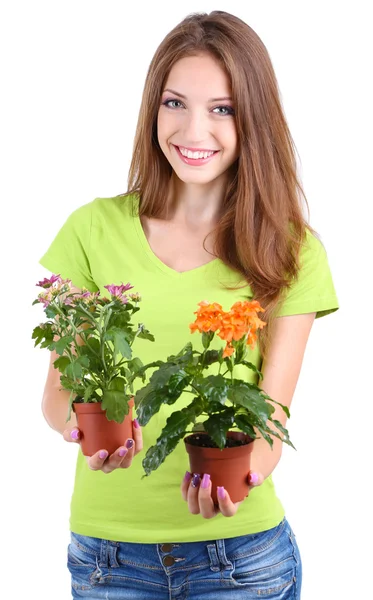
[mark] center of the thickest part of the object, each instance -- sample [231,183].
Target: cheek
[166,126]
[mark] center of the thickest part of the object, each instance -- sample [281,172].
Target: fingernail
[123,451]
[136,424]
[196,479]
[129,444]
[103,454]
[75,434]
[205,481]
[254,478]
[187,476]
[221,493]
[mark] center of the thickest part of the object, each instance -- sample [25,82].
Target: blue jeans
[265,564]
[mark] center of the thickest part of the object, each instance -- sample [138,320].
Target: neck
[198,205]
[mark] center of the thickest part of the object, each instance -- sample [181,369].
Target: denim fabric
[265,565]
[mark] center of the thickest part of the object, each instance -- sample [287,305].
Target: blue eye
[171,103]
[228,110]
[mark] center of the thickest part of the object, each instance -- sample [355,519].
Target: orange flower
[228,351]
[208,317]
[241,320]
[232,327]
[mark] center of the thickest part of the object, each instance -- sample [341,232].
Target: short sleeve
[69,253]
[313,290]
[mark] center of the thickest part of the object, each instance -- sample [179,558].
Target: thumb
[255,479]
[71,435]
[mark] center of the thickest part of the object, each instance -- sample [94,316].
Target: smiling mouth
[195,156]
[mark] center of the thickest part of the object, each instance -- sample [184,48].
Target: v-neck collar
[157,261]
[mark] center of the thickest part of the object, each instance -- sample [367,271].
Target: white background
[72,74]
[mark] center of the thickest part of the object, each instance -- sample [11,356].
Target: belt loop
[113,549]
[220,545]
[104,555]
[214,560]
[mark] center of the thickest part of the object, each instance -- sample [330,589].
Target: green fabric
[102,242]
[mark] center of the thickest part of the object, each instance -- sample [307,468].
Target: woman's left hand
[197,493]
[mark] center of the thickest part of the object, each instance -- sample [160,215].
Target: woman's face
[196,123]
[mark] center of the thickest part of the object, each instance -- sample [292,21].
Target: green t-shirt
[101,243]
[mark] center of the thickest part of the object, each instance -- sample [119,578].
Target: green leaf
[284,432]
[184,357]
[71,400]
[251,397]
[156,454]
[265,435]
[250,365]
[88,392]
[213,387]
[284,408]
[63,343]
[115,401]
[121,346]
[61,363]
[147,401]
[176,385]
[93,352]
[240,352]
[177,423]
[50,312]
[217,426]
[206,338]
[145,334]
[211,357]
[162,376]
[74,369]
[244,423]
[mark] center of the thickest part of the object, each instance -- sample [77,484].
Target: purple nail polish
[122,452]
[136,424]
[196,479]
[103,454]
[221,492]
[254,478]
[205,481]
[129,444]
[187,476]
[75,434]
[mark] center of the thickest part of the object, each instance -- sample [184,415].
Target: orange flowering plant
[219,401]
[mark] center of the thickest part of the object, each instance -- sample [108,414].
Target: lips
[195,161]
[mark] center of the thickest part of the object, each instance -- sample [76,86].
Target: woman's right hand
[120,459]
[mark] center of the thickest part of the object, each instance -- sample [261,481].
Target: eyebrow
[209,100]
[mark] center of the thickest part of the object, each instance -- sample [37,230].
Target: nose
[195,130]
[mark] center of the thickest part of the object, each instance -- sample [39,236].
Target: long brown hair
[262,226]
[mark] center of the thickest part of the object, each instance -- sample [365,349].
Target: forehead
[200,75]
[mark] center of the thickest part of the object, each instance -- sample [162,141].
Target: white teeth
[189,154]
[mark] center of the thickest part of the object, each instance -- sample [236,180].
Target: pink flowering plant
[91,369]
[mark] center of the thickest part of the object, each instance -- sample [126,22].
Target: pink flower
[46,283]
[118,290]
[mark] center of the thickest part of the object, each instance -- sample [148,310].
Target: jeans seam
[263,546]
[296,562]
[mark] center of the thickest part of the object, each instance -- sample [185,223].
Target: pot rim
[191,448]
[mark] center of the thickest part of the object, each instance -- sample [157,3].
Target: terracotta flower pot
[228,467]
[97,432]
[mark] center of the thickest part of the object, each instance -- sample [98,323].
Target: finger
[185,485]
[226,506]
[115,460]
[71,435]
[131,451]
[96,461]
[254,479]
[137,436]
[206,504]
[192,495]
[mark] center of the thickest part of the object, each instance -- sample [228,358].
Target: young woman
[213,211]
